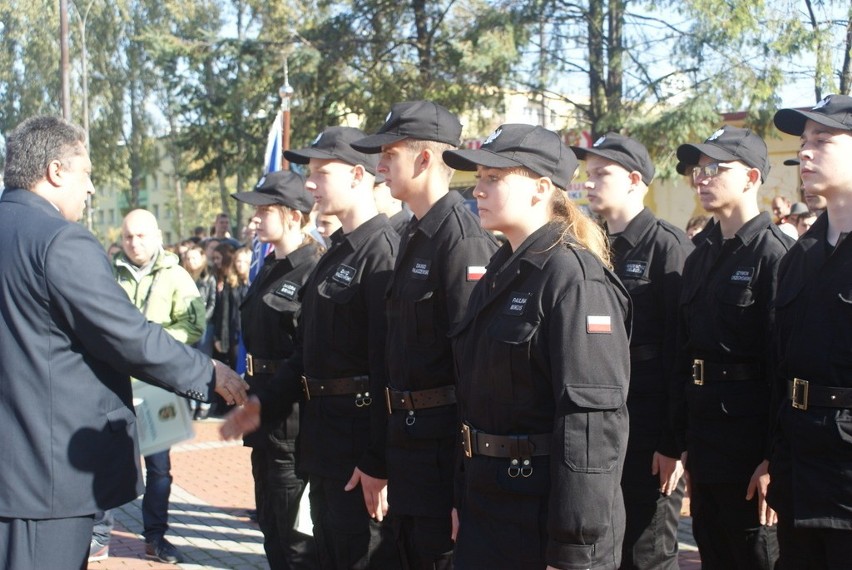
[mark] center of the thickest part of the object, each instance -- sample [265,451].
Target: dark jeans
[650,535]
[277,491]
[424,542]
[814,548]
[728,531]
[346,536]
[155,502]
[49,543]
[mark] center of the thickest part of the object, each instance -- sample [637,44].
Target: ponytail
[578,228]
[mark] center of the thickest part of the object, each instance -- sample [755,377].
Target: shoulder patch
[288,290]
[475,272]
[344,274]
[598,324]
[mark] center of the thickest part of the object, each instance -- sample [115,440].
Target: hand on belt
[803,394]
[359,386]
[519,449]
[705,370]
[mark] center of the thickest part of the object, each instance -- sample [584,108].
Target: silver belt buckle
[800,388]
[249,365]
[698,372]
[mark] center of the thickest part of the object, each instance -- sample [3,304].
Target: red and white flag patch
[598,324]
[475,272]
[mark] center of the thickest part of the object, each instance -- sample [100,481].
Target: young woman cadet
[543,364]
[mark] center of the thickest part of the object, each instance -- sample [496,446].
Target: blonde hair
[579,228]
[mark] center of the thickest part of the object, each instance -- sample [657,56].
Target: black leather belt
[803,394]
[519,449]
[419,399]
[359,386]
[261,365]
[707,371]
[644,352]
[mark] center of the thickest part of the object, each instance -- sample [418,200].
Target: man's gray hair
[34,144]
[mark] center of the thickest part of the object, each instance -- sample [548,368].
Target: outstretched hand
[242,420]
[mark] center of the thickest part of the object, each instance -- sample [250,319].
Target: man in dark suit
[69,340]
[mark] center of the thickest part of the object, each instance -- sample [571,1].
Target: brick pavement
[211,494]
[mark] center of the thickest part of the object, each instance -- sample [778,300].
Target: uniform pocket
[416,306]
[592,429]
[514,357]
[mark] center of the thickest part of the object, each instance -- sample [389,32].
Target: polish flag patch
[598,324]
[475,272]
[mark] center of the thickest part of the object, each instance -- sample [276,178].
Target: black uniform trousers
[813,548]
[727,528]
[650,534]
[54,544]
[424,543]
[278,490]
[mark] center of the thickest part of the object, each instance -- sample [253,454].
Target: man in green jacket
[166,294]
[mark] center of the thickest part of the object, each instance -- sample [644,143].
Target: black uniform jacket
[648,257]
[342,333]
[544,349]
[811,463]
[725,319]
[269,314]
[69,341]
[438,265]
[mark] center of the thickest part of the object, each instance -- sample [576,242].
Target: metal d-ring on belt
[359,386]
[412,400]
[519,449]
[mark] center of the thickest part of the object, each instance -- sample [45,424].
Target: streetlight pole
[63,64]
[286,94]
[82,22]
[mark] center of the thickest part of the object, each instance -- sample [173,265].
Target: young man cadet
[811,462]
[648,256]
[341,362]
[442,255]
[724,368]
[165,293]
[69,340]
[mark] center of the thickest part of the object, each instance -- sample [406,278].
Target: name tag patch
[475,272]
[420,269]
[635,268]
[598,324]
[517,304]
[344,274]
[742,275]
[288,290]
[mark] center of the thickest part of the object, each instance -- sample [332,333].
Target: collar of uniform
[746,234]
[817,235]
[434,218]
[298,257]
[27,198]
[540,240]
[638,227]
[364,232]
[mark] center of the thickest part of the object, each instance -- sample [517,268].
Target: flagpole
[286,93]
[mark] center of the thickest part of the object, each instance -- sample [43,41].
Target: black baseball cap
[833,111]
[418,120]
[791,162]
[283,188]
[727,144]
[512,145]
[334,144]
[622,150]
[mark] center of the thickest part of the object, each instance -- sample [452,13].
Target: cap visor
[255,198]
[373,144]
[689,154]
[304,155]
[469,159]
[791,162]
[792,121]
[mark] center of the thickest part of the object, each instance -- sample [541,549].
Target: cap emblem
[388,118]
[492,137]
[317,140]
[600,141]
[716,135]
[260,182]
[822,103]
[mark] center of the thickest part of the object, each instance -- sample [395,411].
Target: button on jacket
[269,316]
[69,340]
[439,264]
[648,257]
[342,333]
[725,318]
[544,349]
[812,458]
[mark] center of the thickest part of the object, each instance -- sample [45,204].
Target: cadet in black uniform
[341,363]
[442,255]
[542,362]
[723,364]
[269,314]
[811,463]
[648,256]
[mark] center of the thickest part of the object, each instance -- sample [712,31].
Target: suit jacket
[69,340]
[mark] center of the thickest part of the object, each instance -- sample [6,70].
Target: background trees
[194,82]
